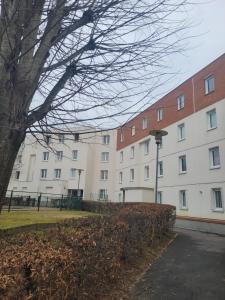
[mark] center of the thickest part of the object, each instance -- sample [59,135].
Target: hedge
[79,259]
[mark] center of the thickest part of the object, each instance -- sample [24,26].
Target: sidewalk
[192,268]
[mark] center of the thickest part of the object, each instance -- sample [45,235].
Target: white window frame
[209,88]
[105,156]
[144,123]
[17,175]
[133,130]
[146,147]
[180,164]
[159,197]
[182,197]
[146,172]
[159,112]
[106,139]
[214,207]
[180,102]
[211,157]
[75,154]
[132,152]
[209,119]
[45,156]
[47,139]
[121,136]
[131,175]
[72,172]
[120,177]
[19,158]
[121,156]
[43,173]
[59,155]
[181,130]
[160,168]
[57,173]
[104,175]
[103,195]
[61,138]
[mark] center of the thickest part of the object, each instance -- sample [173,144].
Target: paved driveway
[192,268]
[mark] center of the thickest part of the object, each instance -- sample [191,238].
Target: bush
[78,259]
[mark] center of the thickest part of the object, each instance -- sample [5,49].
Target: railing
[33,200]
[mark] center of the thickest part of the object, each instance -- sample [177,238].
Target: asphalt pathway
[192,268]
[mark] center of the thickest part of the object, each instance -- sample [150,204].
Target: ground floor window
[217,199]
[103,194]
[183,199]
[159,197]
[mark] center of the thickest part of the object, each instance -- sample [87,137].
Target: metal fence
[33,200]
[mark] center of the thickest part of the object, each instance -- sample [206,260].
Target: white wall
[199,179]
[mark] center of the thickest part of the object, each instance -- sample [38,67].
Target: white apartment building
[191,169]
[62,165]
[119,165]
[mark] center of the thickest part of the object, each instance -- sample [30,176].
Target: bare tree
[69,61]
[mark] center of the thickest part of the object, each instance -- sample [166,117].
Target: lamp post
[78,186]
[158,134]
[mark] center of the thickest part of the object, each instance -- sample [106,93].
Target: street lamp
[158,134]
[78,186]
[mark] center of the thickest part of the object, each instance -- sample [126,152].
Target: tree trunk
[10,141]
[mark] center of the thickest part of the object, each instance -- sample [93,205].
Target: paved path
[192,268]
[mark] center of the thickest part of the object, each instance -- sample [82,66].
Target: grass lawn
[20,218]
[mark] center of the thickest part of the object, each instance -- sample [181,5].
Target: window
[214,156]
[159,114]
[144,123]
[160,168]
[103,194]
[131,174]
[121,136]
[74,154]
[45,156]
[19,158]
[61,138]
[105,139]
[121,156]
[146,172]
[159,197]
[217,199]
[57,173]
[180,102]
[43,173]
[120,177]
[133,130]
[72,172]
[17,176]
[105,156]
[181,132]
[59,155]
[183,199]
[146,147]
[76,137]
[47,139]
[120,197]
[212,120]
[209,84]
[132,152]
[183,164]
[104,174]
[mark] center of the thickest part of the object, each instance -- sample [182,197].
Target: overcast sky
[208,43]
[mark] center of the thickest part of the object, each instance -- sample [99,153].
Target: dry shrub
[79,259]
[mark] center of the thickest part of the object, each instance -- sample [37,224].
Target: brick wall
[195,99]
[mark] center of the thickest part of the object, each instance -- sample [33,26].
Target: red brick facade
[193,90]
